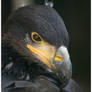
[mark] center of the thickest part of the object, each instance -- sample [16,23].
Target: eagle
[35,55]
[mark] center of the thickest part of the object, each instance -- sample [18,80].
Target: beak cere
[57,61]
[44,52]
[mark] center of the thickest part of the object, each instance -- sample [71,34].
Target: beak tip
[64,68]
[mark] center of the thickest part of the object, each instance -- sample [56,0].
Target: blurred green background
[76,15]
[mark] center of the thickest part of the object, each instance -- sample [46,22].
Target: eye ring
[36,37]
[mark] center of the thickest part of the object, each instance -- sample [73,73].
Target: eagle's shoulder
[72,87]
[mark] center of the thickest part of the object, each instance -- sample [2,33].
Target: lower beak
[63,66]
[57,61]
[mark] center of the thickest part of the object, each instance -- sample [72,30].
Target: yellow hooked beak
[57,60]
[46,53]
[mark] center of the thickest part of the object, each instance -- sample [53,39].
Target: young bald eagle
[34,52]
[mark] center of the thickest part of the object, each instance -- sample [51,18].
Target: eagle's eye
[36,37]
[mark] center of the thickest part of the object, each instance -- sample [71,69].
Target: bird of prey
[35,54]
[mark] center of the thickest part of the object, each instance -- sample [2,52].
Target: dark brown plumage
[21,70]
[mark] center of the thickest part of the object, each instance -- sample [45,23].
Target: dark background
[76,15]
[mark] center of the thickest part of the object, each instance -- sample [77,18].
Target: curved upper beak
[58,61]
[63,65]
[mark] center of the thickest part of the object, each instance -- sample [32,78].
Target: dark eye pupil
[36,37]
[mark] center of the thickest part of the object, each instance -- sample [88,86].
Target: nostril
[58,58]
